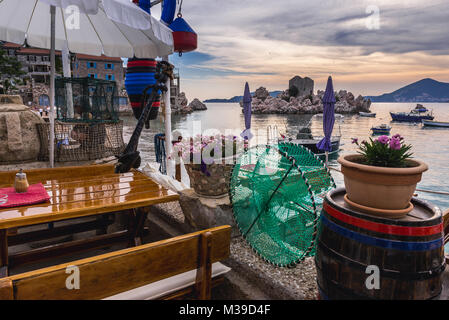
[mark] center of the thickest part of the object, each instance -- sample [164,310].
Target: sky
[369,47]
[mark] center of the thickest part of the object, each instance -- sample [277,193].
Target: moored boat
[307,140]
[382,129]
[367,114]
[439,124]
[415,115]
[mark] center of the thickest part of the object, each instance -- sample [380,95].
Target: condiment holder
[21,183]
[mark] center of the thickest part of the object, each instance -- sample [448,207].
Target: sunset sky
[268,42]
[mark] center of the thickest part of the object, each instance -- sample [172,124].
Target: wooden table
[78,192]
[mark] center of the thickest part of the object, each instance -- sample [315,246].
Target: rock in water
[305,85]
[197,105]
[261,93]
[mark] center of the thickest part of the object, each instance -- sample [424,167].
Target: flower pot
[217,183]
[384,188]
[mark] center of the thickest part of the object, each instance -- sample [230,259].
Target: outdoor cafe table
[77,192]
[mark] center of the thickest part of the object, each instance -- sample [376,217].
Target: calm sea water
[429,145]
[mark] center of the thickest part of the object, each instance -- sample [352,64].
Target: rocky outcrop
[309,103]
[197,105]
[304,85]
[181,105]
[19,139]
[261,94]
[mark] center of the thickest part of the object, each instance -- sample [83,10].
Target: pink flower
[383,139]
[398,136]
[395,143]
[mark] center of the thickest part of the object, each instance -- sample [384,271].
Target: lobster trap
[92,100]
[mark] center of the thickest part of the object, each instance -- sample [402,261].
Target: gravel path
[295,283]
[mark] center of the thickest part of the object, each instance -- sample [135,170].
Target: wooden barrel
[140,73]
[407,253]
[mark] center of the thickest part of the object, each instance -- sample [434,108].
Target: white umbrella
[92,34]
[43,25]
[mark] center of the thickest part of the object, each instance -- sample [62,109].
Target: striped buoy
[140,73]
[359,256]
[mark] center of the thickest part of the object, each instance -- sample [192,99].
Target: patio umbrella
[328,118]
[43,26]
[246,134]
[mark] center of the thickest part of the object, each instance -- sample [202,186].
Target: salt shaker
[21,183]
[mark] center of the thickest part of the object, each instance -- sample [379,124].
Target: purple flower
[355,140]
[383,139]
[398,136]
[395,143]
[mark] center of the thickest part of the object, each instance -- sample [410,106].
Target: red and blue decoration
[184,38]
[139,75]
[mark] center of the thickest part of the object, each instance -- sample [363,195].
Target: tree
[10,71]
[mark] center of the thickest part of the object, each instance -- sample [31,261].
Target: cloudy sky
[368,46]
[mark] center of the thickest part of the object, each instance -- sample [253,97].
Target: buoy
[184,38]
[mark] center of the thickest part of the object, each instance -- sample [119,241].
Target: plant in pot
[381,179]
[209,161]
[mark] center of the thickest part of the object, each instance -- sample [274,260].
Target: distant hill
[237,99]
[426,90]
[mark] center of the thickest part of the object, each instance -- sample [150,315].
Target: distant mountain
[426,90]
[237,99]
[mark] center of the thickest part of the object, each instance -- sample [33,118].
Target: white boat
[431,123]
[367,114]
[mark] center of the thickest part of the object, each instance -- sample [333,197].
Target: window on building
[109,66]
[45,59]
[92,65]
[110,77]
[93,75]
[32,58]
[11,52]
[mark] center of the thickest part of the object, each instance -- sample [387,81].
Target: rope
[180,8]
[419,190]
[159,147]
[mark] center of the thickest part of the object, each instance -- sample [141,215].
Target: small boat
[367,114]
[382,129]
[307,140]
[439,124]
[415,115]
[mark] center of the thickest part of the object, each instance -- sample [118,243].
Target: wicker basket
[217,184]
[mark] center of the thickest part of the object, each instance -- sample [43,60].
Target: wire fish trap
[277,194]
[92,100]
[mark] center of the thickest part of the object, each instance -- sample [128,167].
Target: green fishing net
[277,193]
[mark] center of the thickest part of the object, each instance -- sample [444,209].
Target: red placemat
[36,194]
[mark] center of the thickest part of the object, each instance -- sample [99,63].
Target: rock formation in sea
[182,106]
[310,103]
[197,105]
[304,86]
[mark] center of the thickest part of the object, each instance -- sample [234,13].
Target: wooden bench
[113,273]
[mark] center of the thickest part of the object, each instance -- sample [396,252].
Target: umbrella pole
[52,87]
[327,158]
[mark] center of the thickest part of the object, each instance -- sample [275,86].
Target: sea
[429,145]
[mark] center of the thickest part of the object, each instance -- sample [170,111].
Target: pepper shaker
[21,183]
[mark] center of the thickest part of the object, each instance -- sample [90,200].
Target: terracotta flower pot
[383,188]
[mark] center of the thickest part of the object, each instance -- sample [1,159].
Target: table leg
[136,225]
[3,253]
